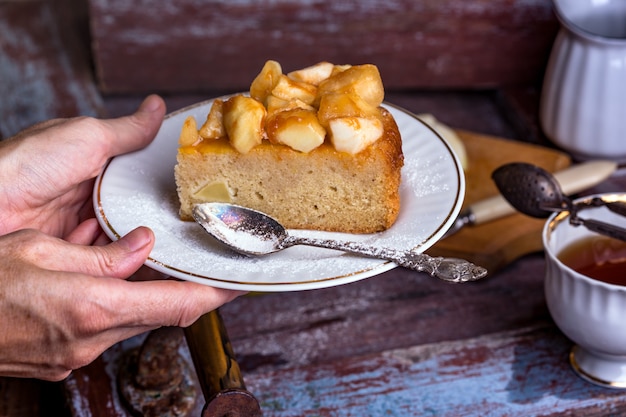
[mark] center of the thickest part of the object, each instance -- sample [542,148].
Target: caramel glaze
[390,145]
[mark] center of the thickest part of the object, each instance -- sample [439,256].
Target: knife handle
[574,179]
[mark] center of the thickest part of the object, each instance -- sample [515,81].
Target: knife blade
[573,179]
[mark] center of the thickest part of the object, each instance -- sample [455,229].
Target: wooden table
[398,344]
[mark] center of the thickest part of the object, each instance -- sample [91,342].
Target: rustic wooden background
[61,58]
[475,64]
[199,45]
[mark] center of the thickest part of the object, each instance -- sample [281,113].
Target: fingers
[118,259]
[91,314]
[151,304]
[144,303]
[67,289]
[85,233]
[88,232]
[137,130]
[127,309]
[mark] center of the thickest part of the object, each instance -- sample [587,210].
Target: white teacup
[590,312]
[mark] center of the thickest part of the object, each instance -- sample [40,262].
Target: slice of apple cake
[312,148]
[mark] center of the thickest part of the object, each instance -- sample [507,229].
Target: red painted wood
[195,45]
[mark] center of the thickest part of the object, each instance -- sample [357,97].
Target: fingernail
[150,103]
[137,239]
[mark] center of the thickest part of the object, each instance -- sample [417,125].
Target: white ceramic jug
[583,100]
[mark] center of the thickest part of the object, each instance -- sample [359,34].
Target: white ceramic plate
[138,189]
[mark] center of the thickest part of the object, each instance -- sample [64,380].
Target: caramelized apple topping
[300,109]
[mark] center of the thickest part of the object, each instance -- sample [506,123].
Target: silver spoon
[251,232]
[535,192]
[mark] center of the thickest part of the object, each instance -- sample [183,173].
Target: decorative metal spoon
[535,192]
[251,232]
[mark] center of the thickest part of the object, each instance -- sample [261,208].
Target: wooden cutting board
[495,244]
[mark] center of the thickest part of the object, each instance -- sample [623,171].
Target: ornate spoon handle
[446,269]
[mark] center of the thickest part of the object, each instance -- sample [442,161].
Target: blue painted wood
[521,373]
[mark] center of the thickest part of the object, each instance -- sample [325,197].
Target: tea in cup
[585,288]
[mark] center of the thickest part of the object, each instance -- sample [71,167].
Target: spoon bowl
[244,230]
[253,233]
[535,192]
[530,189]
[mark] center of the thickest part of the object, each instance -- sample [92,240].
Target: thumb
[119,259]
[137,130]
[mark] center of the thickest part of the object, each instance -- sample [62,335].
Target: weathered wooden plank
[42,74]
[399,308]
[522,373]
[200,45]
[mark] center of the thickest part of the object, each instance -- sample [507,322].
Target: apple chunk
[333,106]
[213,127]
[244,119]
[266,80]
[361,80]
[314,74]
[297,128]
[288,89]
[189,133]
[353,134]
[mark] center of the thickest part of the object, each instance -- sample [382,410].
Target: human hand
[48,169]
[63,294]
[62,303]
